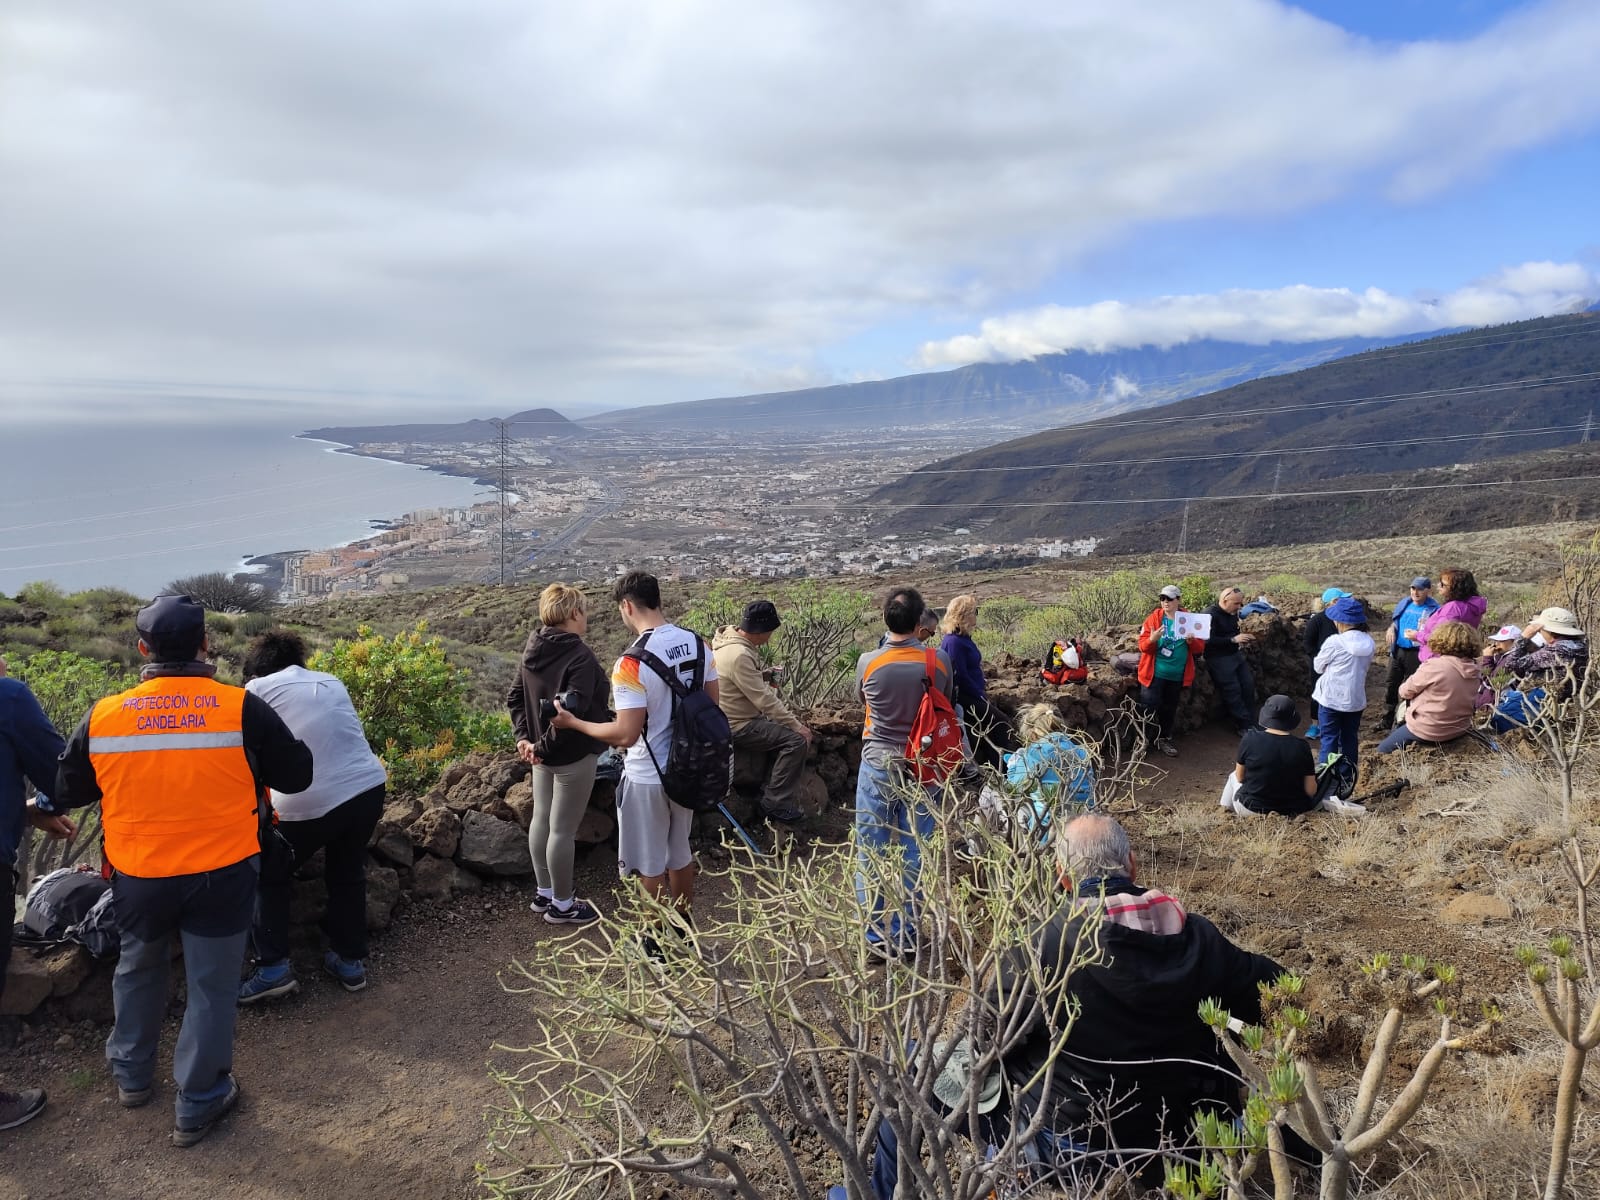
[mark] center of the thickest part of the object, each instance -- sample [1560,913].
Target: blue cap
[1346,610]
[1332,594]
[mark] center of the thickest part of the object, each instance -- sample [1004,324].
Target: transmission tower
[1277,477]
[1588,424]
[504,441]
[1183,534]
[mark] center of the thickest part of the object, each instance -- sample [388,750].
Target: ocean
[130,507]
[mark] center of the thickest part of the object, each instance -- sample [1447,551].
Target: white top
[317,710]
[1342,664]
[634,685]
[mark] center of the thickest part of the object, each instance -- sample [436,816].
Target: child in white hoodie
[1341,691]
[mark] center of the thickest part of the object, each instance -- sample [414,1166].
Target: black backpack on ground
[699,767]
[1337,776]
[70,904]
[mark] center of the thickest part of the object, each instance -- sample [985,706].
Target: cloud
[623,202]
[1256,317]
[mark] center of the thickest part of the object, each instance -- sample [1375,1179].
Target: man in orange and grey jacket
[177,764]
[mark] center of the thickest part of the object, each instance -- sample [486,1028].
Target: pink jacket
[1470,610]
[1441,695]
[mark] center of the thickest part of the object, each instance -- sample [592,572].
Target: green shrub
[41,594]
[412,701]
[68,684]
[1199,593]
[1275,585]
[1120,598]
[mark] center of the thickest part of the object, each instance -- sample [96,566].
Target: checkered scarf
[1146,909]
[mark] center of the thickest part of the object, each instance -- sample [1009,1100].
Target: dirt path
[380,1094]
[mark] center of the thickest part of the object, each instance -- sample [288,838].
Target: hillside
[532,423]
[1050,389]
[1465,398]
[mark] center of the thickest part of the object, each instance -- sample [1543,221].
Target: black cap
[1279,712]
[760,616]
[172,626]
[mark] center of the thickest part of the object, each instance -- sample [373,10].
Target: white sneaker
[1343,807]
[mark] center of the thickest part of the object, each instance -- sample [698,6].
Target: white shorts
[652,831]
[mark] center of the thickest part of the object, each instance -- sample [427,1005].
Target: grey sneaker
[18,1108]
[1166,747]
[579,912]
[189,1134]
[133,1097]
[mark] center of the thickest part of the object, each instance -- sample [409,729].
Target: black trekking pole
[1387,792]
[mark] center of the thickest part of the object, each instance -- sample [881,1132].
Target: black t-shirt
[1275,770]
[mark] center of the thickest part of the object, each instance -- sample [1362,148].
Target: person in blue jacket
[1401,638]
[1052,773]
[983,724]
[29,747]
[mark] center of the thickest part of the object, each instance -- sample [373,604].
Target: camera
[567,700]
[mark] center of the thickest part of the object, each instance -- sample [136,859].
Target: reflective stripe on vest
[178,795]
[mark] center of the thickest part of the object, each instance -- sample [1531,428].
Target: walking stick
[740,830]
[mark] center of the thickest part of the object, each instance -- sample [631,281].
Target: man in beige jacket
[760,719]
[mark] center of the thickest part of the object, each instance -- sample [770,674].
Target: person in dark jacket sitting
[557,662]
[1229,670]
[1136,1047]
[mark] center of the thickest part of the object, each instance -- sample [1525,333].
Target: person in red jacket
[1166,667]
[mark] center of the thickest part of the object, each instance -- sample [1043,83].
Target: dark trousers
[1236,687]
[788,748]
[1340,732]
[1160,700]
[985,728]
[342,836]
[7,877]
[1403,664]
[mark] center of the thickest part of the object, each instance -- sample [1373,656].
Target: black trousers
[342,835]
[1160,699]
[9,879]
[1403,664]
[986,730]
[1236,687]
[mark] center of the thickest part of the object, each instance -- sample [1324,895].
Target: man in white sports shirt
[652,831]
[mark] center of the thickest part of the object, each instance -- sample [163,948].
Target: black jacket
[1224,628]
[278,759]
[556,661]
[1319,628]
[1141,1002]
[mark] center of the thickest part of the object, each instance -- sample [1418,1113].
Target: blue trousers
[1340,731]
[890,814]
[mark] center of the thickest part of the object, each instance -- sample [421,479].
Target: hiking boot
[539,903]
[187,1134]
[133,1097]
[1166,747]
[352,976]
[268,981]
[18,1108]
[579,912]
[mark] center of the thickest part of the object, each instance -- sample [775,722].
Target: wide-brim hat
[760,616]
[1346,610]
[951,1085]
[1560,620]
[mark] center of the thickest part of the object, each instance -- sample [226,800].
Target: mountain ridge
[530,423]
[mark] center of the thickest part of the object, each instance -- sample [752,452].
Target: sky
[421,207]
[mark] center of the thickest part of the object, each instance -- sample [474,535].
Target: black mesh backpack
[699,767]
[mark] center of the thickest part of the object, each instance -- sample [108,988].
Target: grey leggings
[560,797]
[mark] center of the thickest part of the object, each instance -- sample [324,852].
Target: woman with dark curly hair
[1460,601]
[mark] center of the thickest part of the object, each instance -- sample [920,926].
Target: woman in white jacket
[1341,692]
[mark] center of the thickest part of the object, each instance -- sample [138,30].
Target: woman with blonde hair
[966,670]
[1053,768]
[557,664]
[1441,695]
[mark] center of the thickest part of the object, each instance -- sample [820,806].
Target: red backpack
[934,747]
[1065,662]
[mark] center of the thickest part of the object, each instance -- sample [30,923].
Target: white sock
[563,905]
[548,893]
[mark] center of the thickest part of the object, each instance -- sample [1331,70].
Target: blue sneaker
[350,973]
[269,981]
[1313,731]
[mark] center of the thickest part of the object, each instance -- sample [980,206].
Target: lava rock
[491,846]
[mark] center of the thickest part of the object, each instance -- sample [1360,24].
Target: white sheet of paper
[1192,625]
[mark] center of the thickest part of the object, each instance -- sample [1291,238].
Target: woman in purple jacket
[1459,591]
[971,688]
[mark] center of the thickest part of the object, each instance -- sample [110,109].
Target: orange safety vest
[177,793]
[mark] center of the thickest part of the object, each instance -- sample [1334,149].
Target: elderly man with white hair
[1137,1049]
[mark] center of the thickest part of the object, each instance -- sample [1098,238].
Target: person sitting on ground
[557,662]
[761,721]
[1341,691]
[1551,653]
[1497,648]
[1443,694]
[1166,667]
[336,815]
[1229,671]
[1054,770]
[1461,602]
[1319,628]
[1273,770]
[1136,1047]
[979,717]
[1405,656]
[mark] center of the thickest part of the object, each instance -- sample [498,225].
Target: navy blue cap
[174,622]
